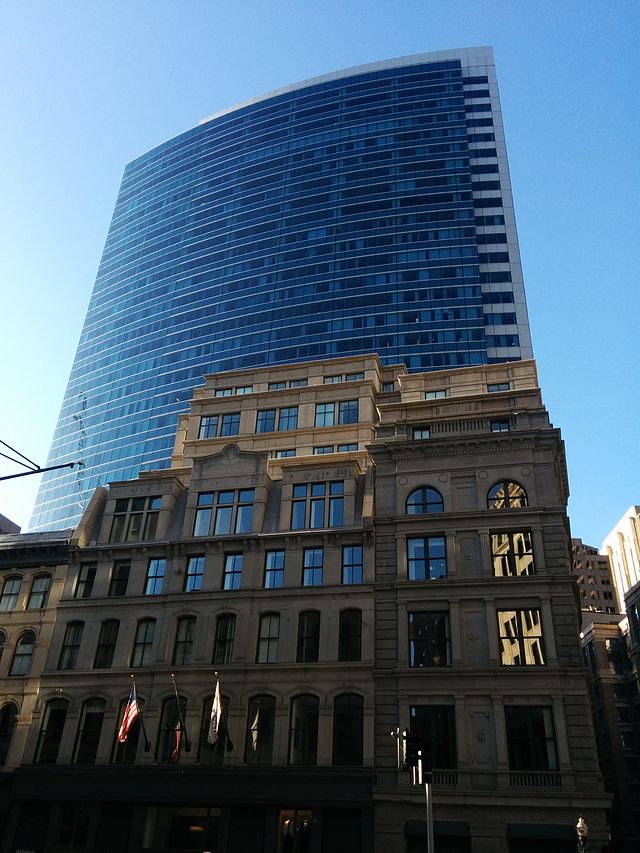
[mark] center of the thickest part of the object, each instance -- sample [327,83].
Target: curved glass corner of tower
[366,211]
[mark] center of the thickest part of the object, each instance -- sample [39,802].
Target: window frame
[308,640]
[274,574]
[522,639]
[23,669]
[154,581]
[232,576]
[106,646]
[433,649]
[193,579]
[510,557]
[305,707]
[312,574]
[184,641]
[9,598]
[142,648]
[350,635]
[119,580]
[85,580]
[268,637]
[256,753]
[43,593]
[70,646]
[507,501]
[135,519]
[224,639]
[431,501]
[429,560]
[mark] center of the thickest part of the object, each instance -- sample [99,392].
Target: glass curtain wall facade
[369,210]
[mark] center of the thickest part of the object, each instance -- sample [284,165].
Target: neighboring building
[595,581]
[623,548]
[354,548]
[33,568]
[8,526]
[611,653]
[368,210]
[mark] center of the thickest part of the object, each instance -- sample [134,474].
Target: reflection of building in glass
[369,210]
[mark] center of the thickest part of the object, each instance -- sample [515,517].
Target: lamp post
[410,758]
[582,831]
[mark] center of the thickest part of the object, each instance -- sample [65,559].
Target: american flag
[130,713]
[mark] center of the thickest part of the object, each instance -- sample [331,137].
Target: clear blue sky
[88,86]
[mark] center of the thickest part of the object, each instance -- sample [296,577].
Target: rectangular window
[143,644]
[298,383]
[86,577]
[426,558]
[347,448]
[230,424]
[312,567]
[353,377]
[119,578]
[322,449]
[308,637]
[421,433]
[71,645]
[352,564]
[276,386]
[223,392]
[135,519]
[225,633]
[244,389]
[325,414]
[500,426]
[268,637]
[285,454]
[350,635]
[440,394]
[429,641]
[332,380]
[520,633]
[288,418]
[512,554]
[348,412]
[209,426]
[266,420]
[232,571]
[194,575]
[233,512]
[317,505]
[498,386]
[531,738]
[434,730]
[274,569]
[155,576]
[10,592]
[388,386]
[106,647]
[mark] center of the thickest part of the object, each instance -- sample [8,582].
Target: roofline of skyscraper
[482,55]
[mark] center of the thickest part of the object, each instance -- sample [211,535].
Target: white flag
[216,716]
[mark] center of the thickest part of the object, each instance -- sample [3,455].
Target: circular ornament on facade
[480,737]
[482,475]
[526,472]
[231,452]
[443,478]
[403,480]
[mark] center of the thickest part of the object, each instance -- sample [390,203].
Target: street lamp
[582,830]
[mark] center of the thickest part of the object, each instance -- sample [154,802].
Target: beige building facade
[354,550]
[622,546]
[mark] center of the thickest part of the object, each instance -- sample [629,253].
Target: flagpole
[224,716]
[147,742]
[187,742]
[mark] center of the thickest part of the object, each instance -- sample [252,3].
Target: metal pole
[430,844]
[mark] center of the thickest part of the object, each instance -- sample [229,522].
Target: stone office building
[354,549]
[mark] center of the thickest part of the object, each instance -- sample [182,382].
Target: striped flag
[216,716]
[130,713]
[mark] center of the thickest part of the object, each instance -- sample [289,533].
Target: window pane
[352,564]
[303,731]
[260,728]
[429,639]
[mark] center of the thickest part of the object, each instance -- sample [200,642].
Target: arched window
[424,500]
[308,636]
[171,735]
[507,494]
[70,645]
[89,731]
[183,648]
[350,635]
[10,592]
[125,753]
[258,748]
[347,730]
[55,716]
[21,663]
[39,592]
[213,753]
[8,717]
[143,643]
[3,640]
[303,730]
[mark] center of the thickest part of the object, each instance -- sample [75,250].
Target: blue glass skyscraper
[368,210]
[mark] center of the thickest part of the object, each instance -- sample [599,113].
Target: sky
[89,86]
